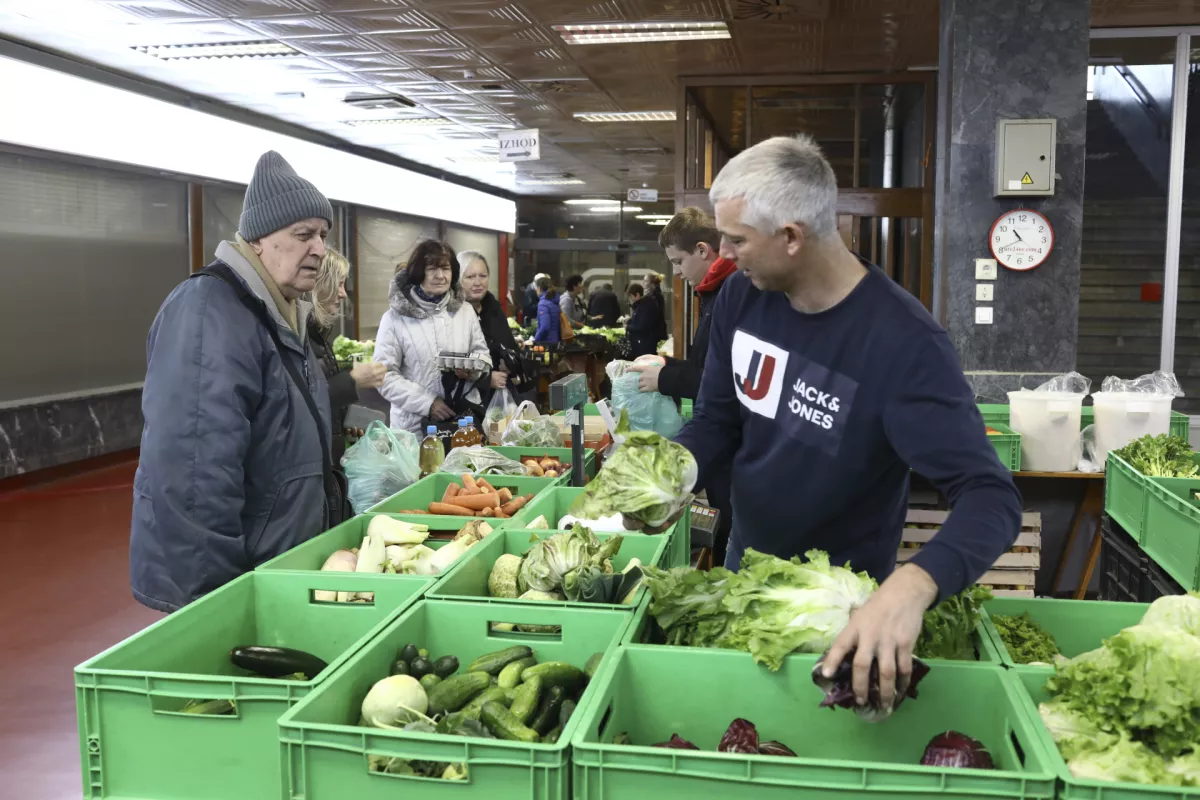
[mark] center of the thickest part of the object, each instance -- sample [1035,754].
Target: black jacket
[342,391]
[603,303]
[644,327]
[656,295]
[495,326]
[680,378]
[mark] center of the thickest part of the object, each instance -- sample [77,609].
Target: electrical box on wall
[1025,157]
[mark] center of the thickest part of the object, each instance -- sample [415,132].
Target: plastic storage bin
[431,488]
[650,693]
[469,579]
[1008,445]
[1180,424]
[135,743]
[1049,424]
[1125,495]
[324,752]
[1076,625]
[1171,536]
[555,503]
[1123,566]
[563,454]
[1122,417]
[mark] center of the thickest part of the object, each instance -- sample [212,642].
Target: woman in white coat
[427,316]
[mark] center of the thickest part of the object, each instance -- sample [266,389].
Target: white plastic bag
[500,412]
[528,428]
[648,411]
[380,464]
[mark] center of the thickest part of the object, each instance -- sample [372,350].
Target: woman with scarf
[427,316]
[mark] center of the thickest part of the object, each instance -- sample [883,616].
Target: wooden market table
[1090,501]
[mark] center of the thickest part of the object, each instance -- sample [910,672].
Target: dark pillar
[1025,60]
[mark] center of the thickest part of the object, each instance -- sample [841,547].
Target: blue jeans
[733,553]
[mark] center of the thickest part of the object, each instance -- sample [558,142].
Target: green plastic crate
[311,555]
[134,743]
[1007,444]
[1031,681]
[686,409]
[1171,536]
[650,693]
[1076,625]
[641,631]
[563,454]
[555,503]
[1126,498]
[468,580]
[998,412]
[324,752]
[431,488]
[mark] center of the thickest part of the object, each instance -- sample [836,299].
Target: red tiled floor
[64,597]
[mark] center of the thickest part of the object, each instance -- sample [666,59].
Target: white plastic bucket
[1049,425]
[1122,417]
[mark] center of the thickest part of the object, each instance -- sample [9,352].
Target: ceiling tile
[298,26]
[335,46]
[160,10]
[394,21]
[245,9]
[416,42]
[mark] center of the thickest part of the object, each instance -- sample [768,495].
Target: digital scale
[705,521]
[570,394]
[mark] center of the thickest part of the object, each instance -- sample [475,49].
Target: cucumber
[556,673]
[423,653]
[525,700]
[510,676]
[546,716]
[501,722]
[445,666]
[454,693]
[493,695]
[408,652]
[276,662]
[492,663]
[592,665]
[429,681]
[419,667]
[565,712]
[552,736]
[399,667]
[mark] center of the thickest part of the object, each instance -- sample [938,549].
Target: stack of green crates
[1161,514]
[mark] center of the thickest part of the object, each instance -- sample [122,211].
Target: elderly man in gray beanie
[235,460]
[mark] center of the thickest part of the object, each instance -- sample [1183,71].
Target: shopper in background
[235,463]
[604,309]
[344,382]
[549,329]
[691,242]
[492,320]
[644,322]
[571,301]
[427,317]
[529,308]
[654,292]
[826,386]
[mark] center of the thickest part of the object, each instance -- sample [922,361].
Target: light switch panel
[985,269]
[983,292]
[983,315]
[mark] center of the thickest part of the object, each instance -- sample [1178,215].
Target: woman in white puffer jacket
[427,316]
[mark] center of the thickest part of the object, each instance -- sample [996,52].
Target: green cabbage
[649,478]
[547,563]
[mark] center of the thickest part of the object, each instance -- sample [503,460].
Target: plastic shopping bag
[500,412]
[380,464]
[647,411]
[528,428]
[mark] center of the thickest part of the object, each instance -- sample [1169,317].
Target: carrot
[487,487]
[410,511]
[487,512]
[450,509]
[450,492]
[478,502]
[514,505]
[505,495]
[469,482]
[499,514]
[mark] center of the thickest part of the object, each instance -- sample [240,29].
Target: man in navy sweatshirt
[824,383]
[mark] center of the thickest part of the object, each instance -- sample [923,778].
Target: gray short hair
[467,256]
[783,180]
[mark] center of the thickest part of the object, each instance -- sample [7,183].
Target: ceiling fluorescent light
[552,182]
[583,201]
[655,216]
[661,223]
[412,122]
[192,52]
[625,116]
[617,32]
[613,209]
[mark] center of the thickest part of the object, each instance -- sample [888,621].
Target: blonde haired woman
[344,384]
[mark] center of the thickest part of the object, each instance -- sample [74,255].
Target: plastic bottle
[433,453]
[474,435]
[461,437]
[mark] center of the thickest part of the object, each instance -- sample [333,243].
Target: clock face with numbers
[1021,239]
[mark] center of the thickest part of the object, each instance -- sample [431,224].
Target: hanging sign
[643,196]
[521,145]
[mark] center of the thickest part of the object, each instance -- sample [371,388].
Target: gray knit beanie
[277,197]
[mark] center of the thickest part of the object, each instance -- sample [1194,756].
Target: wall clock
[1021,239]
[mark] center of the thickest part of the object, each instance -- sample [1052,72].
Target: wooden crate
[1015,572]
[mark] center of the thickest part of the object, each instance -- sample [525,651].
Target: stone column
[1023,60]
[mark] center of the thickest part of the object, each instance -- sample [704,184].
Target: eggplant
[276,662]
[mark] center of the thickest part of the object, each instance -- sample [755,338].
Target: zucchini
[592,665]
[276,662]
[492,663]
[565,712]
[408,653]
[454,693]
[399,667]
[510,676]
[429,681]
[546,716]
[556,673]
[501,722]
[525,700]
[419,667]
[445,666]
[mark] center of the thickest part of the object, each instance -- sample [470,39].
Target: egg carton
[448,362]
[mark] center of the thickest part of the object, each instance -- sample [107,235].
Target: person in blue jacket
[548,329]
[235,456]
[826,384]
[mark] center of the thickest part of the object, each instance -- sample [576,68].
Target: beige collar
[286,307]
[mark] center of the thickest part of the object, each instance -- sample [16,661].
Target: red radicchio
[775,749]
[953,749]
[839,691]
[740,737]
[676,743]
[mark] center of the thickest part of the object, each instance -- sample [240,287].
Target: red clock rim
[992,243]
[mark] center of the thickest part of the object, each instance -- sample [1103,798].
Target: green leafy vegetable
[648,478]
[687,604]
[345,349]
[613,335]
[591,584]
[1160,456]
[1027,642]
[1127,760]
[546,564]
[948,628]
[457,724]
